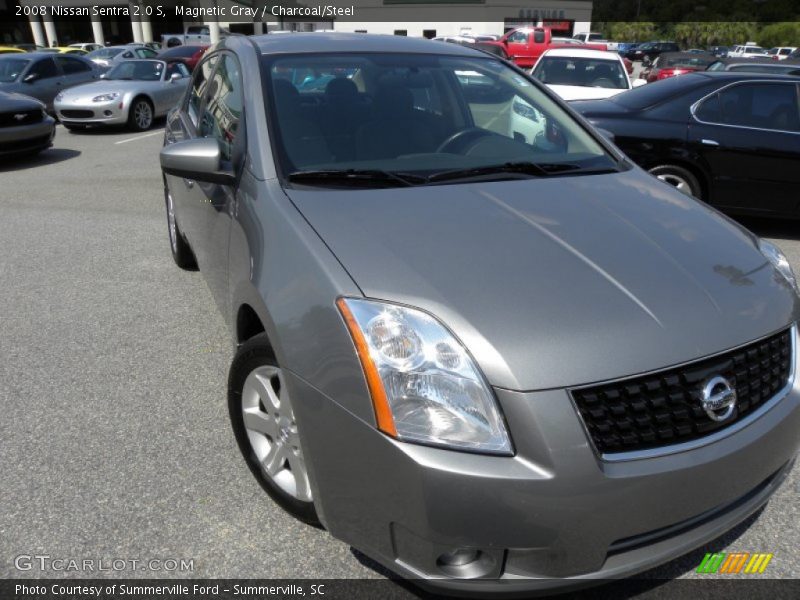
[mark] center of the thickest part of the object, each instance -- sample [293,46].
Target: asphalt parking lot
[115,434]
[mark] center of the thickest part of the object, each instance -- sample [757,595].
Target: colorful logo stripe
[734,562]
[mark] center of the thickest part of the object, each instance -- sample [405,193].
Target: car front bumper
[554,515]
[112,112]
[25,138]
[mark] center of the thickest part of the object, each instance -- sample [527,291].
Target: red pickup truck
[524,46]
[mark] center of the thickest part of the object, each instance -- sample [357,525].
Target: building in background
[431,18]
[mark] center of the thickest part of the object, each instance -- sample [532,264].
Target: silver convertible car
[492,364]
[134,93]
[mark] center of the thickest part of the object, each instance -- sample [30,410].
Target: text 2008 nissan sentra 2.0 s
[491,362]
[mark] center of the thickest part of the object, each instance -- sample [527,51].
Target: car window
[177,67]
[145,53]
[518,37]
[538,36]
[418,113]
[583,72]
[70,66]
[199,84]
[12,68]
[223,108]
[771,106]
[44,69]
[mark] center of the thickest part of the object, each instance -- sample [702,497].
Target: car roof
[302,43]
[578,52]
[738,75]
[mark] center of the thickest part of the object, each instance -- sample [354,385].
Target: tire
[140,115]
[269,441]
[680,178]
[181,251]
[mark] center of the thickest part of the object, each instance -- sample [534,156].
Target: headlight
[779,261]
[106,97]
[524,110]
[425,387]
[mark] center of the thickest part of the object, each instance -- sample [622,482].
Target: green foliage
[779,34]
[701,34]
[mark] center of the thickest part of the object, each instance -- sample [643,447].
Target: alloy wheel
[272,431]
[143,115]
[677,182]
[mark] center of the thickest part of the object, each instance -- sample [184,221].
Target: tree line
[703,33]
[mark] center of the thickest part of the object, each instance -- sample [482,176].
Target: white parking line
[139,137]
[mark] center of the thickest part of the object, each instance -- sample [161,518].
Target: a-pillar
[37,31]
[97,31]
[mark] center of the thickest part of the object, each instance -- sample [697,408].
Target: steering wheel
[457,142]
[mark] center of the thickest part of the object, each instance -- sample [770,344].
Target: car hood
[87,91]
[559,282]
[10,102]
[580,92]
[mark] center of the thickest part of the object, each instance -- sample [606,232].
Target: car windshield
[104,53]
[584,72]
[425,116]
[12,68]
[138,70]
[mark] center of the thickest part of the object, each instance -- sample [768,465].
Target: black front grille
[664,408]
[20,117]
[72,113]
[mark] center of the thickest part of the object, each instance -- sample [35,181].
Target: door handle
[188,182]
[706,142]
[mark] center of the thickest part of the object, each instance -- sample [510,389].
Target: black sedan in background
[729,138]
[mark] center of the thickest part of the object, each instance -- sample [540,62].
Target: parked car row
[125,85]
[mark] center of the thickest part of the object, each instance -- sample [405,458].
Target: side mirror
[175,77]
[606,134]
[639,82]
[197,159]
[30,78]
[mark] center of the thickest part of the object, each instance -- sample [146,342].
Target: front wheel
[140,115]
[181,251]
[680,178]
[263,422]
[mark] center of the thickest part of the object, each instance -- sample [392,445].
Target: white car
[583,74]
[747,51]
[781,52]
[87,46]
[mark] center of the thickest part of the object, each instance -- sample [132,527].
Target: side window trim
[696,106]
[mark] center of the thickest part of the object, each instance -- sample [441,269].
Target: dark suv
[651,50]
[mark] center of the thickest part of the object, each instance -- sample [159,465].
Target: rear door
[75,70]
[46,82]
[749,134]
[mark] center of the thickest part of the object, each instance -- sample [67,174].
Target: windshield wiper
[356,176]
[522,168]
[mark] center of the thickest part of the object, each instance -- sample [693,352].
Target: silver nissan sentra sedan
[490,361]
